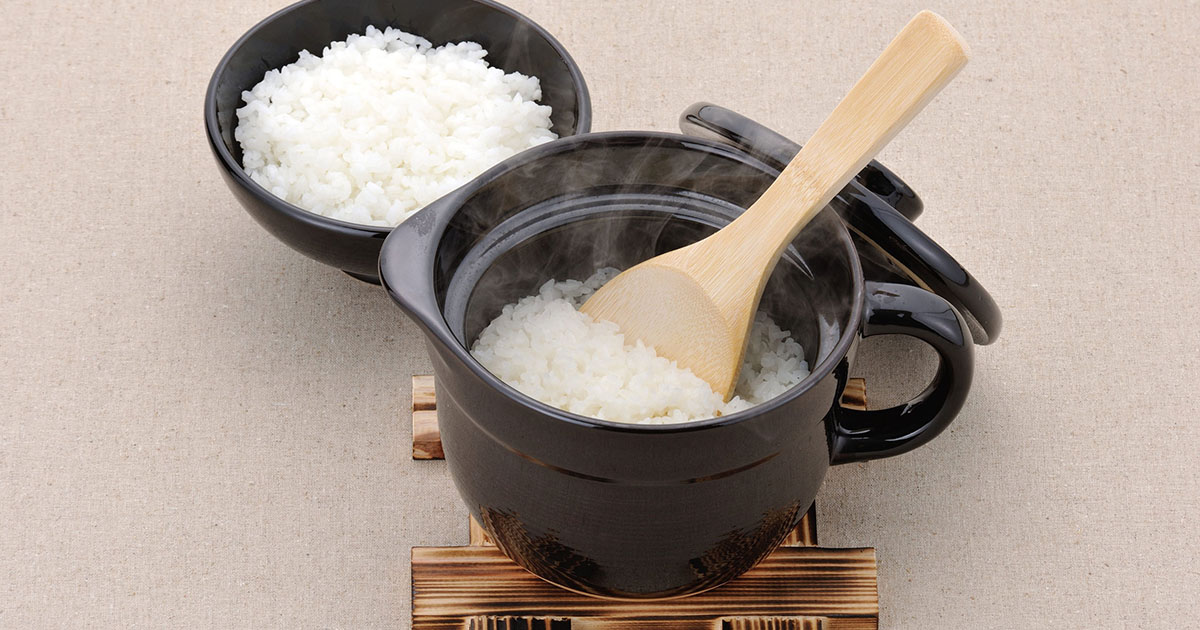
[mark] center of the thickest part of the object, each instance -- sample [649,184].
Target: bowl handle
[902,309]
[713,122]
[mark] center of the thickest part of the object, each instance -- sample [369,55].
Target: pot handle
[876,206]
[713,122]
[901,309]
[406,261]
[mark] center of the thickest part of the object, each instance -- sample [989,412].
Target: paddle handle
[918,63]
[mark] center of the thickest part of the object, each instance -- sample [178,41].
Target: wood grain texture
[855,395]
[805,534]
[424,393]
[516,623]
[585,623]
[775,623]
[695,305]
[452,583]
[427,438]
[478,535]
[742,623]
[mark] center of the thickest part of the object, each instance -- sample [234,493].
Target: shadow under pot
[636,511]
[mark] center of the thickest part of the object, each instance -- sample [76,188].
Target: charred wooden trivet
[798,587]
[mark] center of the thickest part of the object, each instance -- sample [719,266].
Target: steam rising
[614,201]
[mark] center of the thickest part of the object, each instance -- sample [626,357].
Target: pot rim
[212,127]
[446,208]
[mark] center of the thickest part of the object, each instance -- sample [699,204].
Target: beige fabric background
[201,428]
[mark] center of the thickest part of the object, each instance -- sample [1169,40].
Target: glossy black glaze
[514,43]
[878,209]
[902,309]
[637,511]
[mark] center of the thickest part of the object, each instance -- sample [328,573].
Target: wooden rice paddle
[695,305]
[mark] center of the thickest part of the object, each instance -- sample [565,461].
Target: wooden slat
[478,535]
[427,438]
[424,393]
[427,442]
[775,623]
[641,624]
[850,623]
[823,623]
[461,582]
[516,623]
[805,534]
[855,394]
[742,623]
[801,623]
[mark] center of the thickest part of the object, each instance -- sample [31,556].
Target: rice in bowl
[384,123]
[545,348]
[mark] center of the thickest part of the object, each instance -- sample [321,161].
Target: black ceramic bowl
[514,43]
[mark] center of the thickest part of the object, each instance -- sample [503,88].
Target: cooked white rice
[544,347]
[382,124]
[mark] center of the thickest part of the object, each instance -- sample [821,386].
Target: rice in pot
[544,347]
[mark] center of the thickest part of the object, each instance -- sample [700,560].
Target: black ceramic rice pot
[633,511]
